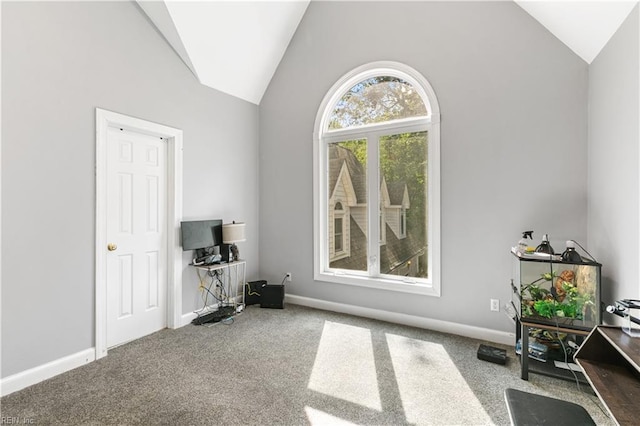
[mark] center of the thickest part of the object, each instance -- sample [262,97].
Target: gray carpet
[296,366]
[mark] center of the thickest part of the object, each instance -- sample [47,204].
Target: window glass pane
[347,185]
[403,169]
[376,100]
[338,234]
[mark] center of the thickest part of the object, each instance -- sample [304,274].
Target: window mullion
[373,204]
[414,124]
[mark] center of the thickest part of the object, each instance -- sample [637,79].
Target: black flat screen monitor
[200,234]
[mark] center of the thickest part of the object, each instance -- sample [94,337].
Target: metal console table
[225,281]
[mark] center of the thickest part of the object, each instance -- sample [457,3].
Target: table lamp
[233,233]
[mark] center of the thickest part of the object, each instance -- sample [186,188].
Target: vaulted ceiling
[584,26]
[236,46]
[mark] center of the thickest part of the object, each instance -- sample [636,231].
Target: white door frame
[105,119]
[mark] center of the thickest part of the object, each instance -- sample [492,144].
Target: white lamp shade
[233,232]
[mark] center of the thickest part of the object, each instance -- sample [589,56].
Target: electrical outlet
[289,276]
[495,305]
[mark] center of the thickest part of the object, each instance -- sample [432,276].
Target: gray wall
[614,97]
[514,130]
[59,62]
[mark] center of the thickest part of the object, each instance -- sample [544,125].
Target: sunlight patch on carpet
[344,367]
[320,418]
[431,387]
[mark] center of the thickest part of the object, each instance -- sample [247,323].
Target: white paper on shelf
[534,255]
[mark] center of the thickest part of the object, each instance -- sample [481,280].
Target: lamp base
[235,253]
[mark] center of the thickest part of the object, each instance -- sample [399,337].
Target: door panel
[153,283]
[136,224]
[125,286]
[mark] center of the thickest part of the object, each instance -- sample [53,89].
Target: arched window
[376,100]
[377,144]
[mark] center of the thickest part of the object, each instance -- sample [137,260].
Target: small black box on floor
[252,291]
[272,296]
[491,354]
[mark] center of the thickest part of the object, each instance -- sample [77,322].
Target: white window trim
[432,125]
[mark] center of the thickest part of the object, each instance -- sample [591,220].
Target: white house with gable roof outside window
[348,221]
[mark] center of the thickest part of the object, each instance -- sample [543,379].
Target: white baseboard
[46,371]
[479,333]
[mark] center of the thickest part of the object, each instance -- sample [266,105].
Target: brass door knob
[112,247]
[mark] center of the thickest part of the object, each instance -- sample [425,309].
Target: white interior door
[136,230]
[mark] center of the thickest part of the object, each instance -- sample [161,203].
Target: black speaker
[272,296]
[252,291]
[225,251]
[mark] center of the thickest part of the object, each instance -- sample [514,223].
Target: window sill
[399,286]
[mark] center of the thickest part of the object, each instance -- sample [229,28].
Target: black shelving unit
[547,368]
[528,271]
